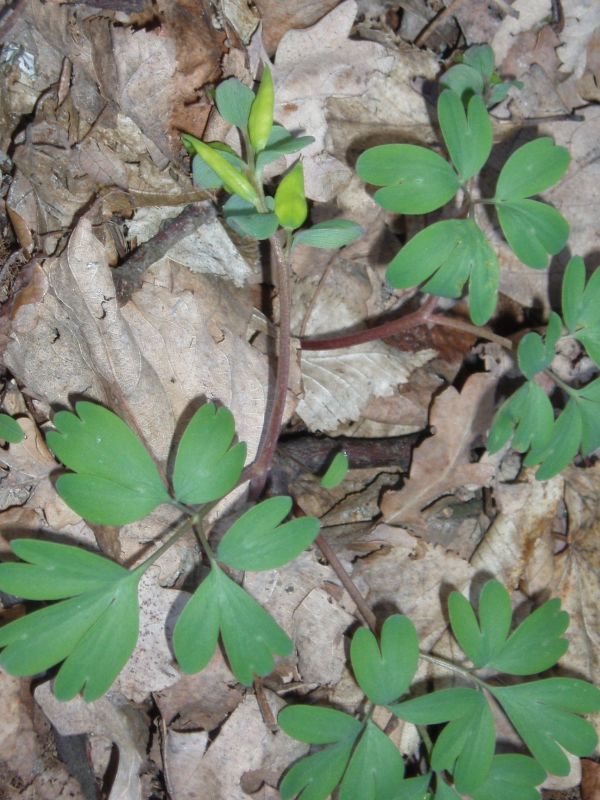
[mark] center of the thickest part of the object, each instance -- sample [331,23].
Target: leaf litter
[96,171]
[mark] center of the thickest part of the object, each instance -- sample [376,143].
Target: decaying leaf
[443,462]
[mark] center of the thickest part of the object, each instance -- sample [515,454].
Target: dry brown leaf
[278,19]
[107,719]
[590,782]
[443,462]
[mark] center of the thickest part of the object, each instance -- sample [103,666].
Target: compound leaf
[580,303]
[115,480]
[196,632]
[511,776]
[317,725]
[316,776]
[417,180]
[532,356]
[376,768]
[533,230]
[544,714]
[329,235]
[93,632]
[562,445]
[481,641]
[533,168]
[206,466]
[336,472]
[257,541]
[537,644]
[385,671]
[10,430]
[468,135]
[281,142]
[234,101]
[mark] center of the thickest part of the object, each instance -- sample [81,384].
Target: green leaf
[533,168]
[336,472]
[10,430]
[580,304]
[93,632]
[463,79]
[528,414]
[257,541]
[206,177]
[281,142]
[440,706]
[455,250]
[55,571]
[250,636]
[317,725]
[468,136]
[466,747]
[417,180]
[481,641]
[376,768]
[511,776]
[536,645]
[329,235]
[290,202]
[544,715]
[260,121]
[499,91]
[384,672]
[206,466]
[481,58]
[234,101]
[588,402]
[445,792]
[247,221]
[531,355]
[316,776]
[562,445]
[196,632]
[533,230]
[115,480]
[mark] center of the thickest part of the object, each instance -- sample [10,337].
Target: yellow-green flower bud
[291,208]
[260,121]
[234,181]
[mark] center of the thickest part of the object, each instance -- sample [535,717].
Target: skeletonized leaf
[114,479]
[417,180]
[206,466]
[258,541]
[385,671]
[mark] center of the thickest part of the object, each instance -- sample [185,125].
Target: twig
[260,469]
[435,23]
[506,8]
[461,325]
[386,329]
[128,276]
[263,704]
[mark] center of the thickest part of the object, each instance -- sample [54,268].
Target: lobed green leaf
[562,444]
[533,230]
[257,541]
[468,135]
[481,642]
[10,430]
[384,672]
[234,101]
[533,168]
[281,142]
[329,235]
[207,178]
[527,415]
[247,221]
[464,80]
[115,480]
[316,776]
[440,706]
[376,768]
[336,472]
[417,180]
[206,466]
[511,776]
[318,725]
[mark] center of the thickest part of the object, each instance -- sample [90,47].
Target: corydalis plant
[251,211]
[359,758]
[113,480]
[416,180]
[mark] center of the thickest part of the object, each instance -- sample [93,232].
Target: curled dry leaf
[443,462]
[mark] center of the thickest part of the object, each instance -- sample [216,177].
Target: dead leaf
[443,462]
[531,15]
[590,782]
[108,719]
[277,20]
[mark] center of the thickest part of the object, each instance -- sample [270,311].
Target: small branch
[461,325]
[435,23]
[383,331]
[260,469]
[346,581]
[128,277]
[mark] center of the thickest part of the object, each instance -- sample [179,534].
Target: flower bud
[234,181]
[291,208]
[260,121]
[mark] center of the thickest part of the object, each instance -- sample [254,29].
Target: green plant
[545,713]
[113,480]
